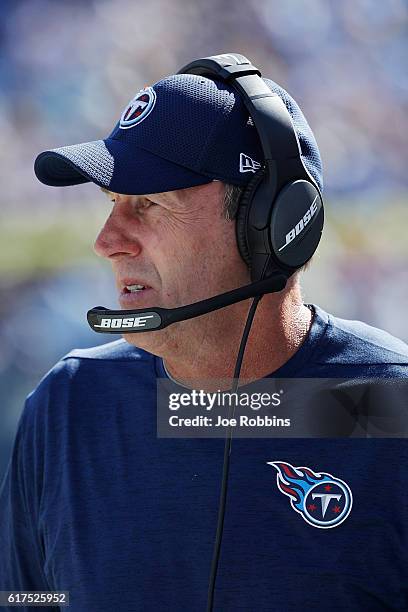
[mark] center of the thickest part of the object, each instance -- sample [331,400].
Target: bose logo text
[124,323]
[300,225]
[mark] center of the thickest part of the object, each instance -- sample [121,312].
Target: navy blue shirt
[95,504]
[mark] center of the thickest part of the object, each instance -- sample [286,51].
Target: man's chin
[162,342]
[152,341]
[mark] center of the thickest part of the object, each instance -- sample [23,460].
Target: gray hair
[232,195]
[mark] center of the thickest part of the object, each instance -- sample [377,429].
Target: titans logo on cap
[322,500]
[138,108]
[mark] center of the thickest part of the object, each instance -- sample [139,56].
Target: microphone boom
[106,321]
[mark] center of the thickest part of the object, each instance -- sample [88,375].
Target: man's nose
[117,237]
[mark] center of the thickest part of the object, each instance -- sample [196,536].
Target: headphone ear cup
[242,216]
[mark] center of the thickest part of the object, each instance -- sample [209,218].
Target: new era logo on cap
[247,164]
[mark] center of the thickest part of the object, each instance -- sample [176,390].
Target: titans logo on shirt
[322,500]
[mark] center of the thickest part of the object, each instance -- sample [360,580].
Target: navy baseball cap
[183,131]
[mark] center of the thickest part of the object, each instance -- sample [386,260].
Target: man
[96,504]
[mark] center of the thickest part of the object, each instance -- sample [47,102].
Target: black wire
[226,464]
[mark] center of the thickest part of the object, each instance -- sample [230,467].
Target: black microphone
[106,321]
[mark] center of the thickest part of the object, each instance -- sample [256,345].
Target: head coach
[216,185]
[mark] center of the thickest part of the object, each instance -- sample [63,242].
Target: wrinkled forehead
[167,195]
[177,196]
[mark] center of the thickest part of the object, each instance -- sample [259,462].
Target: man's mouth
[134,295]
[133,288]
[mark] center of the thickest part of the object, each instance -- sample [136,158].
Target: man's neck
[279,329]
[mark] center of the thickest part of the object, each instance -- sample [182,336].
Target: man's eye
[145,203]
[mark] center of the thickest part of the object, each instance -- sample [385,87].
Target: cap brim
[115,165]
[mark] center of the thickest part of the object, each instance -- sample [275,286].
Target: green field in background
[39,244]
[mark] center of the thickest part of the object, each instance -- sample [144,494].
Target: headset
[278,228]
[280,218]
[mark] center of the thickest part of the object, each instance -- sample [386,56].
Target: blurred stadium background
[67,69]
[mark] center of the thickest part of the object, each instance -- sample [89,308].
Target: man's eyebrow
[106,192]
[110,193]
[161,197]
